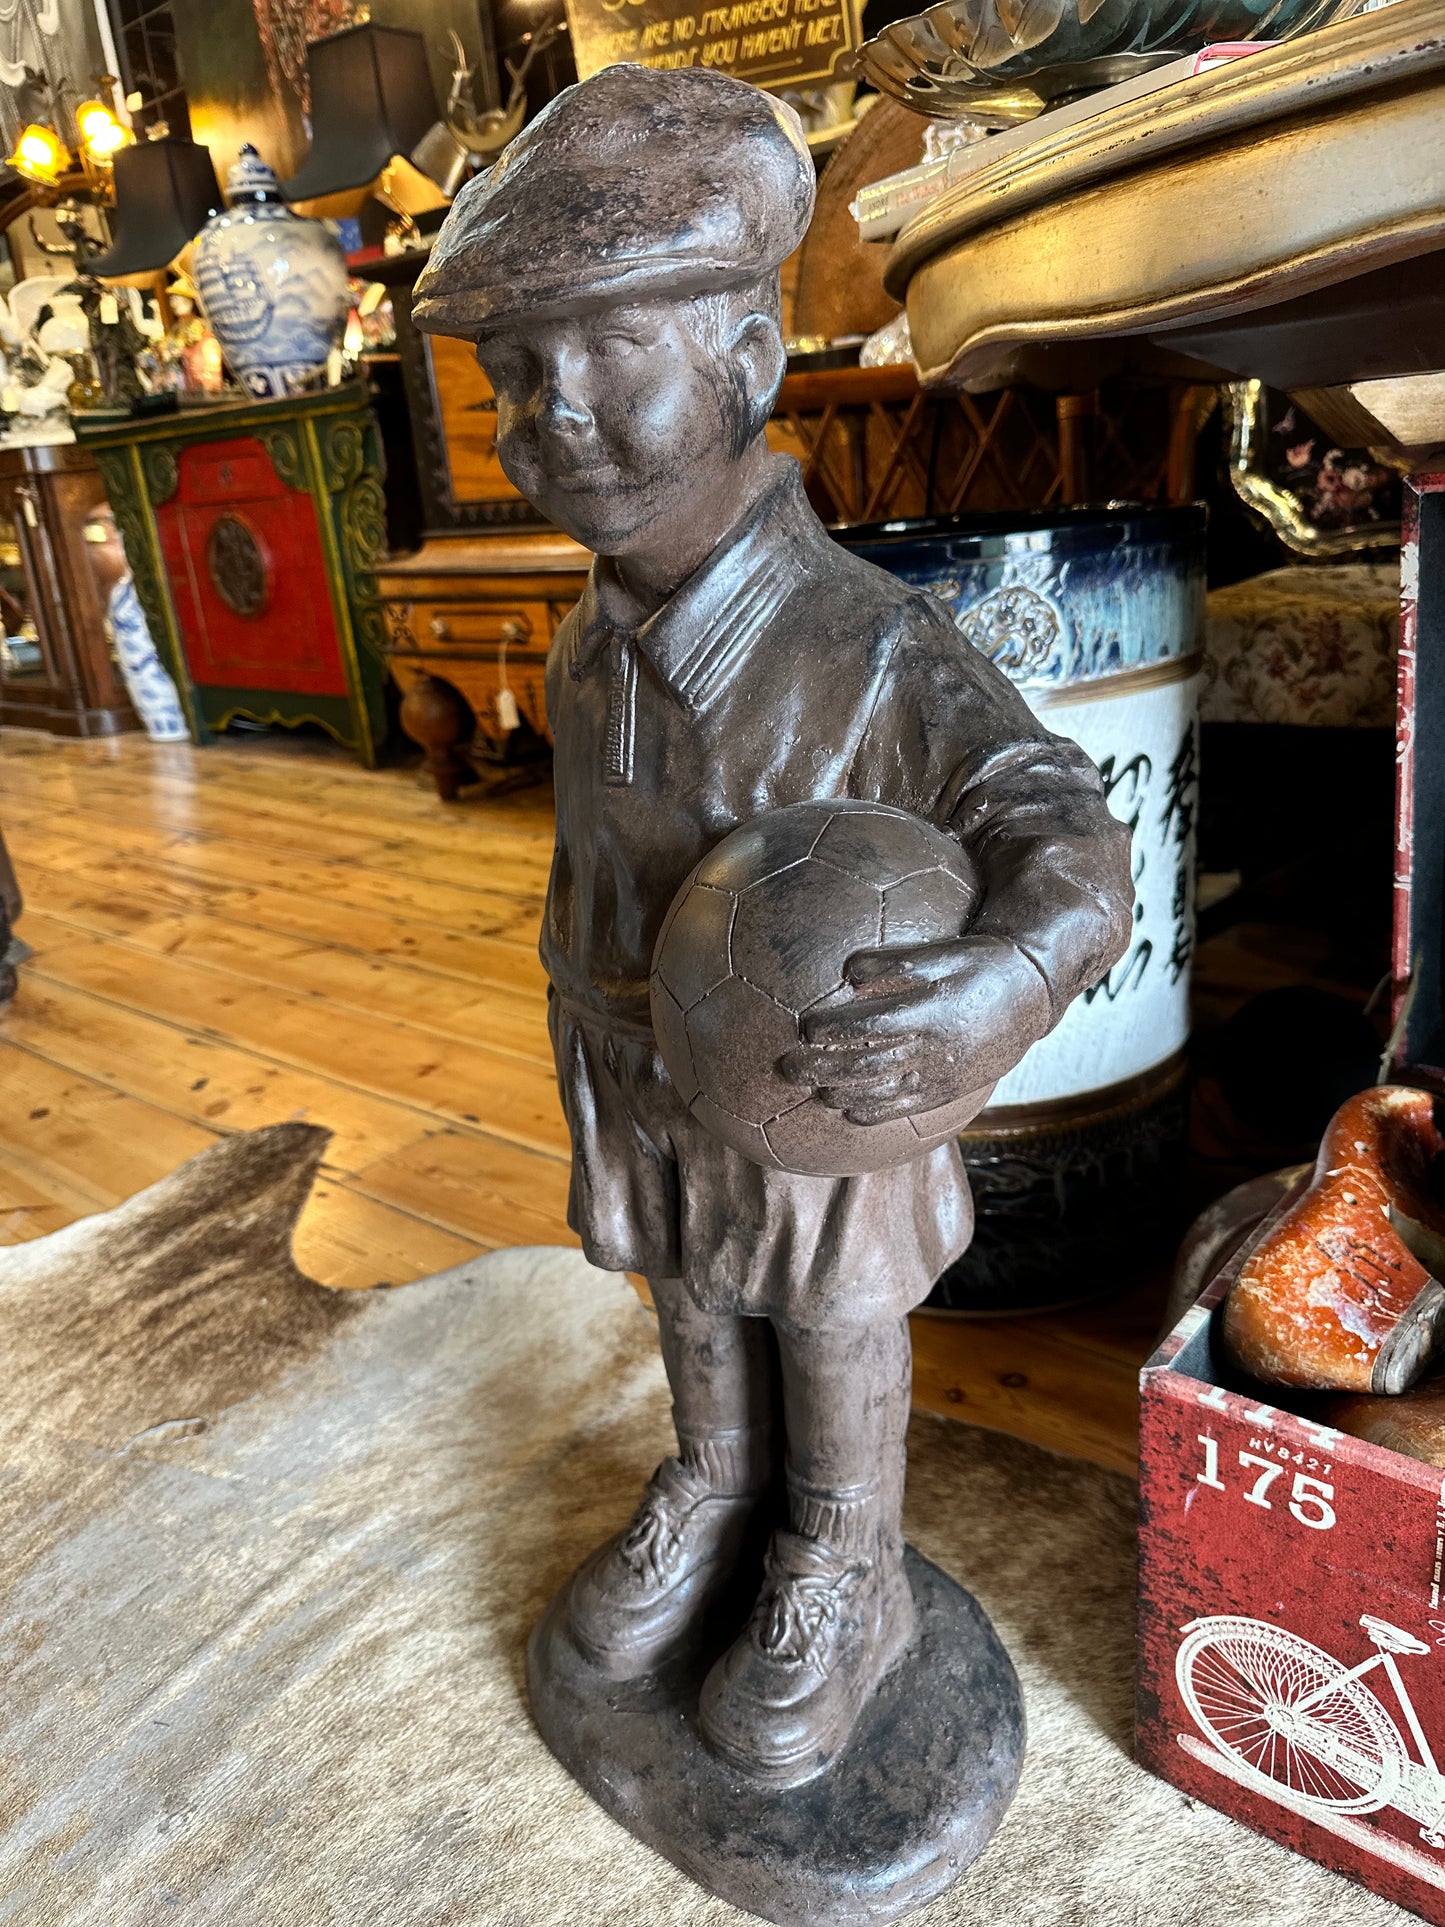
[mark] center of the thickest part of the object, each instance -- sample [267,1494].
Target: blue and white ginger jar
[274,286]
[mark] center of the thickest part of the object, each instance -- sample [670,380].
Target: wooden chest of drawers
[470,620]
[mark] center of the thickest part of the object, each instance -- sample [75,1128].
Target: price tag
[508,715]
[109,310]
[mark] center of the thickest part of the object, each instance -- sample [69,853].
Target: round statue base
[909,1805]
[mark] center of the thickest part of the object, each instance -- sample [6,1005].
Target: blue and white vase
[147,682]
[274,286]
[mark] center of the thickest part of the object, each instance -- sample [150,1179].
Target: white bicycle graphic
[1296,1724]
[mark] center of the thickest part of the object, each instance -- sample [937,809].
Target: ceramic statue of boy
[618,272]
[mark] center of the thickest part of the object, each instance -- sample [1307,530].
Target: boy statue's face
[621,424]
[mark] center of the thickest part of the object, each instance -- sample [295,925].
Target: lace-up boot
[834,1613]
[643,1597]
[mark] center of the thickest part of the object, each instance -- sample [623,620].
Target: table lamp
[372,102]
[165,190]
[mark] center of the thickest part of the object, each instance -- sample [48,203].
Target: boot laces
[652,1544]
[799,1611]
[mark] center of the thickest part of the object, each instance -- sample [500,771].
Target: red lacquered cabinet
[252,528]
[244,558]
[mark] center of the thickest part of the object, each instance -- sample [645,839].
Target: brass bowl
[1001,62]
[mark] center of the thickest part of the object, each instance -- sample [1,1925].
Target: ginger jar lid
[250,181]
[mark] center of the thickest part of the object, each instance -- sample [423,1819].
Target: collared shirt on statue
[784,670]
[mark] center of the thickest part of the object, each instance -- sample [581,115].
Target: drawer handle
[440,628]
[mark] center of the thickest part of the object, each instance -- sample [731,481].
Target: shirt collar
[697,639]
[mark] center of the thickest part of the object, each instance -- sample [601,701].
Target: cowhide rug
[269,1555]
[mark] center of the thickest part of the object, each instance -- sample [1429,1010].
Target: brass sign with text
[773,43]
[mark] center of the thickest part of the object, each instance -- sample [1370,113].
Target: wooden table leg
[1075,417]
[438,718]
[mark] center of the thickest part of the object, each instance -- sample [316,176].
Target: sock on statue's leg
[846,1393]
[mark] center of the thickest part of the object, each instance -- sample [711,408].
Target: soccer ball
[759,934]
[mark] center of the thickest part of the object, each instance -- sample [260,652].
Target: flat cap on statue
[630,185]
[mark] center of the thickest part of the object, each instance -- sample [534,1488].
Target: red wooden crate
[1291,1620]
[1291,1624]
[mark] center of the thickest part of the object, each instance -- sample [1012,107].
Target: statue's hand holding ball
[818,1001]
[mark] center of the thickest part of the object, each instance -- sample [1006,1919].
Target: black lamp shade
[164,193]
[371,97]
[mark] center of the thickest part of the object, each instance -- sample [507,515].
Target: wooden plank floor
[228,937]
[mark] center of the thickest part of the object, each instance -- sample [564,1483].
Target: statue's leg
[644,1597]
[835,1609]
[723,1374]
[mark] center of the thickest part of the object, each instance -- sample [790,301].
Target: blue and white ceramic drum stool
[1097,616]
